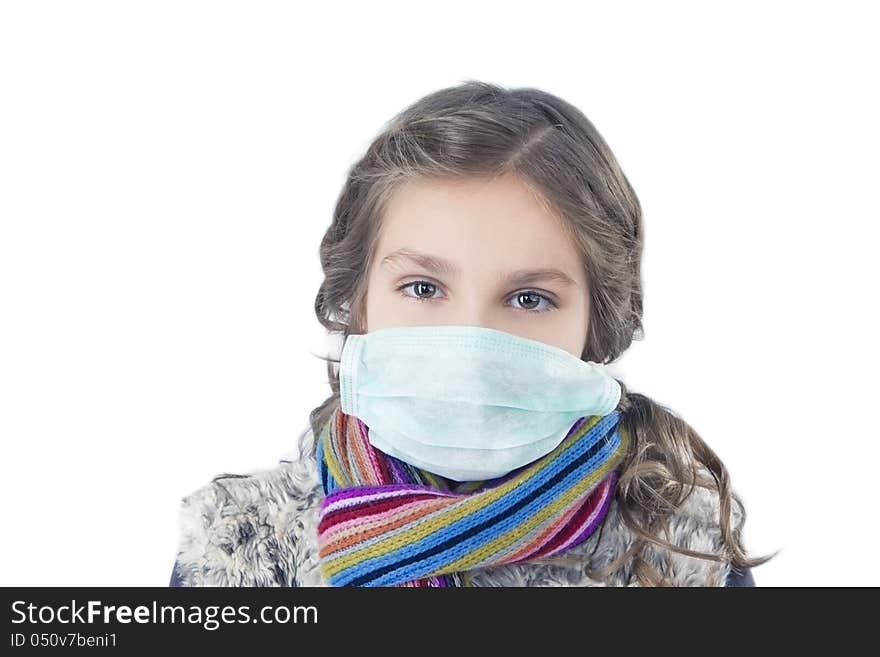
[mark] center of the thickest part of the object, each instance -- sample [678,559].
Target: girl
[483,264]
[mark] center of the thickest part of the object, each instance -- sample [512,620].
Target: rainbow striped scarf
[384,522]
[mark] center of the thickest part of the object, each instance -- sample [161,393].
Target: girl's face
[478,253]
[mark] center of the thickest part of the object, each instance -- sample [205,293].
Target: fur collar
[260,529]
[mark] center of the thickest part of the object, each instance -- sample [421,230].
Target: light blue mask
[466,402]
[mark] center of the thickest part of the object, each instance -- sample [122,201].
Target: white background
[167,170]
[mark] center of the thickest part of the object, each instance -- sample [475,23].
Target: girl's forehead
[450,225]
[466,197]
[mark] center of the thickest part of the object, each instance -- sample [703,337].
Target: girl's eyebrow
[435,264]
[439,265]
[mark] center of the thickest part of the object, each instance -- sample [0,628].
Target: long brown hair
[479,129]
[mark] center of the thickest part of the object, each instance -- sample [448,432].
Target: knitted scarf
[384,522]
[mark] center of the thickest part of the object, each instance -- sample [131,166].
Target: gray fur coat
[260,529]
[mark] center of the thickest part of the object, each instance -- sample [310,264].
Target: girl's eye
[530,300]
[420,288]
[533,299]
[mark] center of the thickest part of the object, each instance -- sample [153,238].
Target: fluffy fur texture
[260,529]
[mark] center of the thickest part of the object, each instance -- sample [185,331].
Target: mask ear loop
[613,393]
[348,373]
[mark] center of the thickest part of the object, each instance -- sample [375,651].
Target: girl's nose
[474,312]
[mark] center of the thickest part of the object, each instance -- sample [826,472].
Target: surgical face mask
[466,402]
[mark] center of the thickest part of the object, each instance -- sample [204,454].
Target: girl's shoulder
[694,525]
[251,529]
